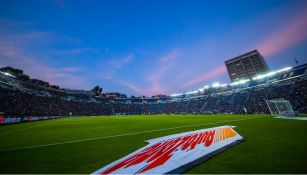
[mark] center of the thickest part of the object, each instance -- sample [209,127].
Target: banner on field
[7,120]
[1,118]
[175,154]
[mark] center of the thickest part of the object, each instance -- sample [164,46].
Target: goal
[280,107]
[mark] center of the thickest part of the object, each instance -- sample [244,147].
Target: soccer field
[85,144]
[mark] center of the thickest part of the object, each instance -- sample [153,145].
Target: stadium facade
[246,66]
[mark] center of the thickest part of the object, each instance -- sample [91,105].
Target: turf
[272,145]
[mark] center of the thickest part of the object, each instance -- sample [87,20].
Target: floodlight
[7,74]
[175,95]
[224,85]
[192,92]
[285,69]
[258,77]
[243,81]
[215,85]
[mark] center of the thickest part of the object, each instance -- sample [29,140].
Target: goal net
[280,107]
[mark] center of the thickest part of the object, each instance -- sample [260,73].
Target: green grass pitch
[272,145]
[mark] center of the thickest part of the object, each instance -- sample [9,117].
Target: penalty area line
[121,135]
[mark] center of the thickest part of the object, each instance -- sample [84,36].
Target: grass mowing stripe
[121,135]
[22,129]
[18,130]
[1,134]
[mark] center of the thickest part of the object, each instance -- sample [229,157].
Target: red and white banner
[174,154]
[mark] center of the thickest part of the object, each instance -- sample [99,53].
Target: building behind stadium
[246,66]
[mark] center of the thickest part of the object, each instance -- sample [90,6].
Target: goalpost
[280,107]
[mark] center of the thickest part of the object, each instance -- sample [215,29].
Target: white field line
[121,135]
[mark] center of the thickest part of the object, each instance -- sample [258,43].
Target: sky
[147,47]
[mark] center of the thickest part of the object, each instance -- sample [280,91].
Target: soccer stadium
[248,116]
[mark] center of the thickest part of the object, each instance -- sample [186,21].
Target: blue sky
[146,47]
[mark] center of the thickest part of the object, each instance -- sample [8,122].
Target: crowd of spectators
[250,100]
[17,103]
[247,100]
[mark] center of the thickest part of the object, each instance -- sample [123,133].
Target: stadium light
[224,85]
[258,77]
[243,81]
[201,89]
[285,69]
[175,95]
[215,85]
[7,74]
[191,92]
[239,82]
[206,87]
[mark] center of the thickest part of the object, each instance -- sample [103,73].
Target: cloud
[16,51]
[141,91]
[17,37]
[291,33]
[132,86]
[207,76]
[75,51]
[119,63]
[110,68]
[65,76]
[165,63]
[27,48]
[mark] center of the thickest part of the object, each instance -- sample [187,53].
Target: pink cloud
[58,76]
[114,65]
[13,55]
[75,51]
[292,32]
[15,51]
[165,63]
[119,63]
[142,91]
[289,34]
[207,76]
[133,87]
